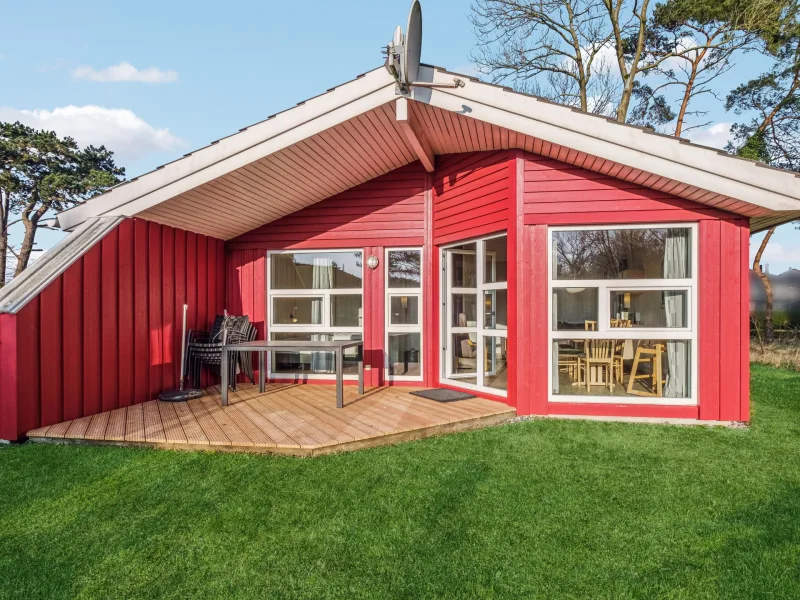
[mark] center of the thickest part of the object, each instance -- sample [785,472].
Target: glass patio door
[475,331]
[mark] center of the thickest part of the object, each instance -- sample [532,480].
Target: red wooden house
[549,259]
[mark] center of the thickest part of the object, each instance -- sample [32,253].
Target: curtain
[321,279]
[676,253]
[554,367]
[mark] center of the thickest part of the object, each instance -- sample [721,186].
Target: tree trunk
[769,331]
[687,95]
[3,257]
[5,210]
[27,245]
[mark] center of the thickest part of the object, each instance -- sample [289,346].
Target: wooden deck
[291,419]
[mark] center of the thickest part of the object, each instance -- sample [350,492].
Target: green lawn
[544,508]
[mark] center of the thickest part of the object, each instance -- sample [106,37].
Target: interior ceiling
[370,145]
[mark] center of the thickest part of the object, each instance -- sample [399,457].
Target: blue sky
[154,80]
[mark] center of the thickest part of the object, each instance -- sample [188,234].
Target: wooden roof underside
[371,145]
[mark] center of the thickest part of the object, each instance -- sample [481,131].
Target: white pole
[183,346]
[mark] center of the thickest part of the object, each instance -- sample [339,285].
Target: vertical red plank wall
[104,333]
[724,336]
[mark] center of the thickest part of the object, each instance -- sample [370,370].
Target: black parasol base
[179,395]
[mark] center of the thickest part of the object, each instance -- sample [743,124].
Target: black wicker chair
[204,349]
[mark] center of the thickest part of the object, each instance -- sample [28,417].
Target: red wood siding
[559,194]
[387,211]
[556,193]
[103,334]
[471,196]
[724,337]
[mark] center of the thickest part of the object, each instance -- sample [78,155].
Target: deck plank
[280,437]
[285,421]
[329,429]
[115,431]
[97,428]
[59,429]
[336,417]
[173,430]
[212,431]
[134,424]
[223,418]
[191,427]
[40,432]
[77,430]
[319,430]
[153,427]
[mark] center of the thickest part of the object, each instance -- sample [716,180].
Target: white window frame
[448,329]
[390,328]
[326,295]
[604,329]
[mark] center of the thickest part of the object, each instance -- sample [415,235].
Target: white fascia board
[42,272]
[257,141]
[691,164]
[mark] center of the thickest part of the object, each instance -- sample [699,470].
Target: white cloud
[125,71]
[119,129]
[780,257]
[716,136]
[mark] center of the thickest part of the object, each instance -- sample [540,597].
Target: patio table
[264,346]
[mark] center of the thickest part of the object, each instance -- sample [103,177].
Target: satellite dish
[404,52]
[412,49]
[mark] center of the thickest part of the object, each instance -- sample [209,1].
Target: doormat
[442,395]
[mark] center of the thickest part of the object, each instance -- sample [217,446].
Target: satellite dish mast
[404,52]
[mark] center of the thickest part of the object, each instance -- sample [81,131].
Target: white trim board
[21,290]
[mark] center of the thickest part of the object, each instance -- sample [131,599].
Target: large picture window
[404,314]
[315,296]
[623,311]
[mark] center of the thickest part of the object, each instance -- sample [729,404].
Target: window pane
[495,372]
[465,310]
[465,269]
[314,362]
[622,254]
[316,270]
[496,266]
[649,308]
[346,310]
[302,310]
[404,310]
[634,368]
[575,308]
[465,357]
[405,350]
[405,269]
[495,314]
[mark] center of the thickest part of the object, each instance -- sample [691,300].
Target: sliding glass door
[475,317]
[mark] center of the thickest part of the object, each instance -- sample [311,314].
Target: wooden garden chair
[599,354]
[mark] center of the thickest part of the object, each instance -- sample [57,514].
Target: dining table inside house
[338,347]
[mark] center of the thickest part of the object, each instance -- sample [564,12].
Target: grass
[544,508]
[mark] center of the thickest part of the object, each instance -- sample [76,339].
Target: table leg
[223,368]
[261,376]
[339,379]
[361,372]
